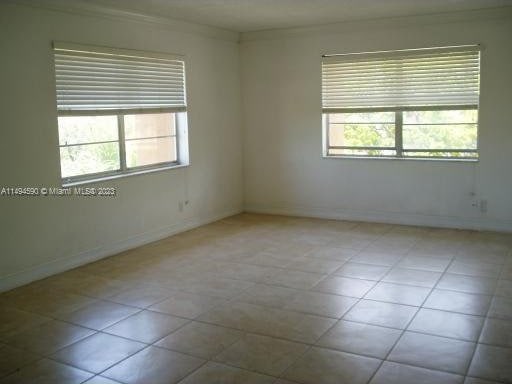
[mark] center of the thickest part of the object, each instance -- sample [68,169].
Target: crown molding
[81,7]
[381,23]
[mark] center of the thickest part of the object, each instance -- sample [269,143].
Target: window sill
[120,175]
[447,160]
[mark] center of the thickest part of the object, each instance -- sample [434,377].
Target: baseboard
[480,224]
[66,263]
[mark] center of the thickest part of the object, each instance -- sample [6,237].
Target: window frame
[398,124]
[340,71]
[179,108]
[180,126]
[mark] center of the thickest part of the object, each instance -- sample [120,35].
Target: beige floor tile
[47,372]
[295,279]
[350,241]
[323,366]
[268,295]
[414,277]
[433,352]
[506,272]
[48,337]
[101,380]
[497,332]
[199,339]
[344,286]
[14,321]
[48,302]
[98,352]
[447,324]
[220,373]
[262,354]
[398,293]
[383,259]
[268,321]
[268,259]
[475,255]
[142,296]
[474,380]
[217,287]
[154,365]
[187,305]
[146,326]
[277,279]
[332,253]
[434,264]
[492,363]
[21,294]
[394,373]
[362,339]
[467,303]
[283,381]
[96,286]
[394,246]
[245,272]
[12,359]
[282,248]
[504,288]
[321,304]
[468,284]
[501,308]
[362,271]
[423,250]
[475,269]
[379,313]
[99,315]
[318,265]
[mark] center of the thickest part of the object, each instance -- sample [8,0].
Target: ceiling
[255,15]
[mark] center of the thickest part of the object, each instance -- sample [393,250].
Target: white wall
[282,164]
[283,167]
[43,235]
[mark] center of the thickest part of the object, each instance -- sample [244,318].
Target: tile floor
[271,299]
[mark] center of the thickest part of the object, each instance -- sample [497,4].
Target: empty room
[256,191]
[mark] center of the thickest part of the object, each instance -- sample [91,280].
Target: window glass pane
[141,152]
[447,136]
[87,129]
[361,135]
[426,134]
[469,116]
[90,158]
[368,129]
[363,117]
[149,125]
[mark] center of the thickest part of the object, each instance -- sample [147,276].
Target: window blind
[409,78]
[96,78]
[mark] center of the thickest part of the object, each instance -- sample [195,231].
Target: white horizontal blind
[409,78]
[94,78]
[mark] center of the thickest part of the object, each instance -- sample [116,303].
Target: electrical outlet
[480,204]
[483,205]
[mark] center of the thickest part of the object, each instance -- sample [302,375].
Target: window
[119,111]
[402,104]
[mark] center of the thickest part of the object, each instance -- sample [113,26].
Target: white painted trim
[66,263]
[480,224]
[353,26]
[81,7]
